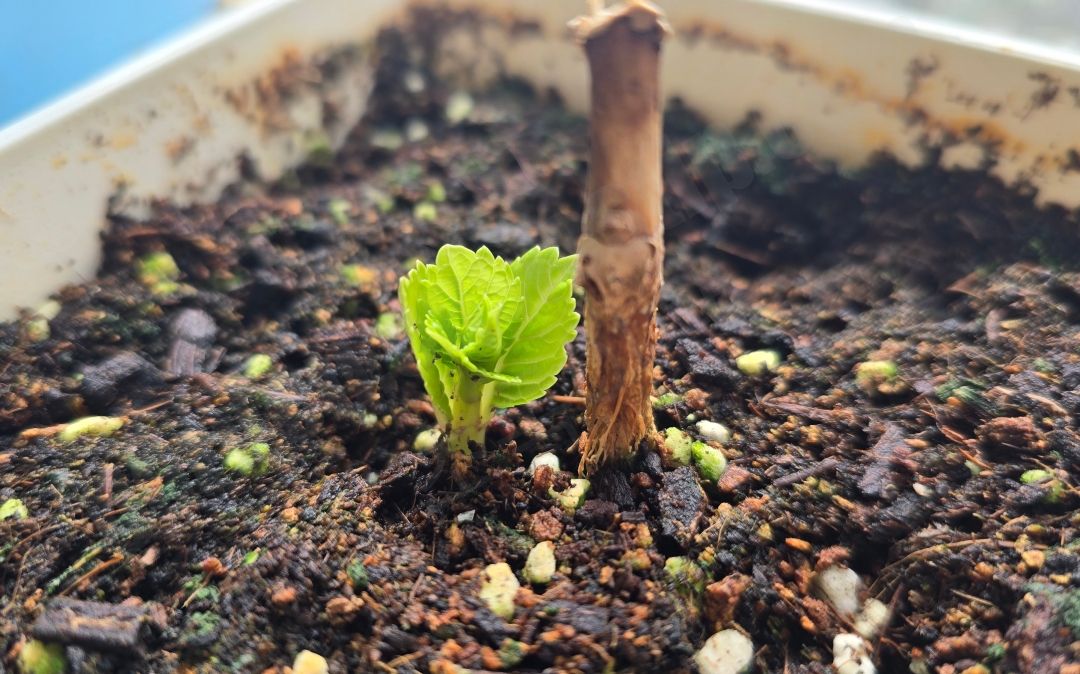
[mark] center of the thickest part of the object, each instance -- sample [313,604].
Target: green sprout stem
[470,414]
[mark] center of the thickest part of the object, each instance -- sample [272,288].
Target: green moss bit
[573,497]
[37,329]
[969,396]
[41,658]
[665,400]
[687,576]
[248,460]
[158,271]
[1069,608]
[357,574]
[319,151]
[339,210]
[426,211]
[459,107]
[1055,488]
[37,326]
[387,139]
[677,447]
[877,369]
[1034,476]
[436,192]
[101,427]
[241,461]
[1044,366]
[880,377]
[757,363]
[426,441]
[710,462]
[389,325]
[358,275]
[511,653]
[251,557]
[137,466]
[156,267]
[383,201]
[207,593]
[204,622]
[257,365]
[162,288]
[13,507]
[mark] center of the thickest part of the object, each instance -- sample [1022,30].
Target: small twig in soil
[34,535]
[416,587]
[400,660]
[48,431]
[1050,404]
[155,406]
[291,397]
[143,231]
[813,471]
[977,600]
[845,417]
[18,579]
[100,568]
[569,400]
[107,490]
[608,660]
[893,603]
[974,459]
[582,440]
[150,556]
[918,555]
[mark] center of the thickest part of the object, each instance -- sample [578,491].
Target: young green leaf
[486,333]
[412,293]
[547,317]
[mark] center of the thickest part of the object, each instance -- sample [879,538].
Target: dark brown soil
[345,542]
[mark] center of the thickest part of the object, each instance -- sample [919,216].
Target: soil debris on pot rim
[913,436]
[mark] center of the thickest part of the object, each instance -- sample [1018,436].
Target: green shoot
[487,334]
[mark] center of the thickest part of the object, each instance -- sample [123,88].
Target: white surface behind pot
[175,123]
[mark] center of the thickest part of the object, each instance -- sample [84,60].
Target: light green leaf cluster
[487,333]
[37,657]
[15,508]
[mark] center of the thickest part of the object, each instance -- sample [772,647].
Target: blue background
[48,47]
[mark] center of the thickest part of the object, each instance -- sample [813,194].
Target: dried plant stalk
[622,243]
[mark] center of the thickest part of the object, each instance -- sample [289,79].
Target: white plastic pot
[175,123]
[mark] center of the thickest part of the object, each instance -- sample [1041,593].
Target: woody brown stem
[621,246]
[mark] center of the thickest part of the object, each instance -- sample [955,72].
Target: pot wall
[252,86]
